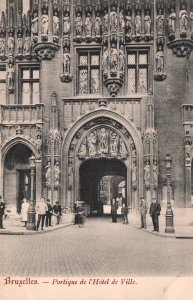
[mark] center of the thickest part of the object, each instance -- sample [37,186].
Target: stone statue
[121,21]
[129,24]
[155,174]
[105,60]
[27,45]
[160,23]
[20,43]
[66,61]
[172,22]
[78,24]
[44,23]
[98,24]
[121,59]
[39,143]
[113,57]
[2,46]
[10,43]
[48,173]
[92,144]
[55,24]
[56,174]
[10,77]
[138,25]
[147,24]
[70,174]
[160,60]
[134,174]
[147,174]
[19,130]
[183,20]
[113,20]
[34,24]
[66,24]
[88,25]
[103,141]
[82,150]
[114,144]
[122,149]
[106,22]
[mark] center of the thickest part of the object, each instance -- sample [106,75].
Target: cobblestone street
[100,248]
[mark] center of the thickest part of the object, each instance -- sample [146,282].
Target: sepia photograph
[96,149]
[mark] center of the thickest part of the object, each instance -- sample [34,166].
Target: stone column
[38,179]
[188,191]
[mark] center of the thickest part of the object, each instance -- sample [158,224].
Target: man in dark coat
[2,209]
[49,214]
[154,212]
[114,208]
[143,211]
[57,211]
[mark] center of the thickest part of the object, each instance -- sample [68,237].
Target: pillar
[38,179]
[188,188]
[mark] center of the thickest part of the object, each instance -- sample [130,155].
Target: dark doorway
[92,175]
[23,187]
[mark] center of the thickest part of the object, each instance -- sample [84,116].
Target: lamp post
[31,218]
[169,213]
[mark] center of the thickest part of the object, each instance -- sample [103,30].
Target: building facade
[95,89]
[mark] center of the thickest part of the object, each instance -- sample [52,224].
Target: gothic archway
[76,150]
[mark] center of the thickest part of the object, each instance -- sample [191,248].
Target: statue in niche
[160,23]
[113,20]
[129,24]
[106,22]
[19,130]
[155,174]
[39,144]
[55,24]
[27,45]
[92,143]
[82,150]
[70,174]
[48,173]
[105,60]
[113,144]
[78,24]
[34,24]
[19,43]
[88,25]
[121,21]
[138,25]
[66,61]
[160,60]
[56,174]
[103,141]
[98,24]
[147,174]
[66,23]
[134,173]
[122,149]
[172,22]
[10,76]
[10,43]
[2,46]
[147,24]
[183,19]
[121,59]
[113,57]
[44,23]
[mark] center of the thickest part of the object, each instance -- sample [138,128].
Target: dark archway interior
[91,172]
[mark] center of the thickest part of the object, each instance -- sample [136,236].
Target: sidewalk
[183,223]
[14,226]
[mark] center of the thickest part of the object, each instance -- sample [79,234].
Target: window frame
[30,80]
[137,66]
[89,67]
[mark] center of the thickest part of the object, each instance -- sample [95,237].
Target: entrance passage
[101,181]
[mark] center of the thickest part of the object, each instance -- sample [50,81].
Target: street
[100,248]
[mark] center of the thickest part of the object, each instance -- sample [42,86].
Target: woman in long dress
[24,211]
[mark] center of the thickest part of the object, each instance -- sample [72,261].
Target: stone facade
[96,87]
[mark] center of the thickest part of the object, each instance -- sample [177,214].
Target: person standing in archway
[114,207]
[143,211]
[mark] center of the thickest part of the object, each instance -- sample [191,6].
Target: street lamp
[169,213]
[31,219]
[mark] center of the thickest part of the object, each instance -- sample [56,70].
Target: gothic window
[29,90]
[2,85]
[137,71]
[88,73]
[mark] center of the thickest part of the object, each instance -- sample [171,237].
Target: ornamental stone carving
[45,51]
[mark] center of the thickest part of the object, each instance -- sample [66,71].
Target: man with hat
[2,209]
[143,211]
[48,213]
[154,212]
[57,211]
[41,209]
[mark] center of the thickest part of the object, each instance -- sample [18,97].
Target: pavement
[183,224]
